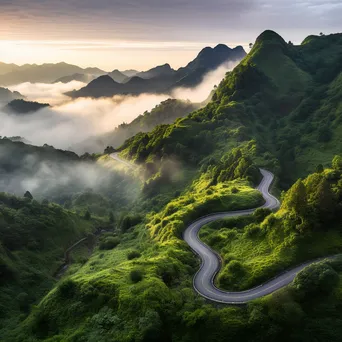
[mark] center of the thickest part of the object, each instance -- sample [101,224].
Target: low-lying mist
[47,93]
[58,176]
[68,123]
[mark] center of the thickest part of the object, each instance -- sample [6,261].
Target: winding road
[203,281]
[211,263]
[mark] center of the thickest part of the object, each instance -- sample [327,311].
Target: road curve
[203,281]
[211,263]
[116,157]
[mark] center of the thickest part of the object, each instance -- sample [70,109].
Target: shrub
[136,276]
[67,288]
[23,301]
[109,243]
[133,255]
[314,280]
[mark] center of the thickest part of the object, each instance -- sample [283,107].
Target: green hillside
[280,109]
[276,97]
[33,239]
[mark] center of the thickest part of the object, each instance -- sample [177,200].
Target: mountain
[207,60]
[130,72]
[118,76]
[85,78]
[159,71]
[45,73]
[284,97]
[163,78]
[6,95]
[280,110]
[24,107]
[103,86]
[164,113]
[6,68]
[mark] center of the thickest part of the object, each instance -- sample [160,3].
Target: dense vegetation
[33,238]
[164,113]
[137,283]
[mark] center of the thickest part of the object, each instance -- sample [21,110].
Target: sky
[140,34]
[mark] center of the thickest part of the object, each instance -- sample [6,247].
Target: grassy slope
[33,238]
[264,248]
[249,104]
[165,263]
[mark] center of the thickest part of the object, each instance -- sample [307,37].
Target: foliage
[109,243]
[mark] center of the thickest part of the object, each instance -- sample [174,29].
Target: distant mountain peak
[104,79]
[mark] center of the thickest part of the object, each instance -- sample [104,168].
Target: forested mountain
[164,113]
[279,109]
[163,78]
[282,96]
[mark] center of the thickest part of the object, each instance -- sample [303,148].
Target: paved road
[116,157]
[211,263]
[204,279]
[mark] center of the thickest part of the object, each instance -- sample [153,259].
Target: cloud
[47,93]
[202,91]
[68,124]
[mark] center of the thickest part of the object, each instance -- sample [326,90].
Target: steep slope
[273,97]
[164,113]
[163,78]
[33,239]
[142,290]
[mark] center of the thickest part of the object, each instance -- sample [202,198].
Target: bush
[109,243]
[67,288]
[315,280]
[136,276]
[133,255]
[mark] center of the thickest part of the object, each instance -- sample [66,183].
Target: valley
[209,220]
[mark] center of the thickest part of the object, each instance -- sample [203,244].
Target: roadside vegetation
[279,109]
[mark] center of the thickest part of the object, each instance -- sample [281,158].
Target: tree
[296,198]
[250,45]
[290,43]
[111,217]
[319,168]
[323,201]
[337,163]
[321,34]
[87,215]
[136,276]
[109,150]
[28,195]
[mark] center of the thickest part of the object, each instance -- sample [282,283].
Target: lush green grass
[261,248]
[267,112]
[33,239]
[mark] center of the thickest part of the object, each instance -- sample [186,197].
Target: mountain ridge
[163,78]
